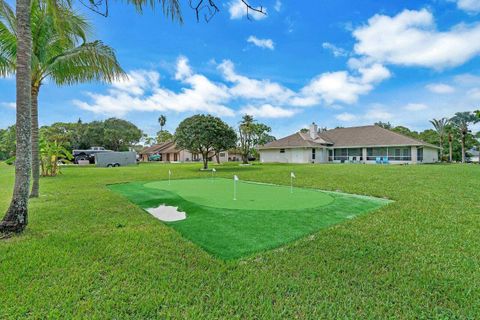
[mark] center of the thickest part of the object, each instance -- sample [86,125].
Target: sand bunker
[167,213]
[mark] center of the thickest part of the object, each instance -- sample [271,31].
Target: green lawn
[260,217]
[91,253]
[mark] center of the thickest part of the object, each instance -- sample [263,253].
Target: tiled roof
[365,136]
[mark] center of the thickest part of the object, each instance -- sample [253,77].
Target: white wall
[298,155]
[430,155]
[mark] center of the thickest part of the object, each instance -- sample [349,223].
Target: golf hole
[167,213]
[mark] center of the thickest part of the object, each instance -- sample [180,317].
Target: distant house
[169,152]
[474,155]
[366,144]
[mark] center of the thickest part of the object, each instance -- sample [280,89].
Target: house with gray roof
[365,144]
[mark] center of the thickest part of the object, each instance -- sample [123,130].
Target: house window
[313,154]
[282,150]
[222,154]
[420,154]
[340,154]
[374,153]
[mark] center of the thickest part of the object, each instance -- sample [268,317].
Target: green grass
[262,217]
[90,253]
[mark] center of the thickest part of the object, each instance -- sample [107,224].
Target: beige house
[169,152]
[366,144]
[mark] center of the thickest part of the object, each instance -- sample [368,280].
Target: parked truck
[89,154]
[115,159]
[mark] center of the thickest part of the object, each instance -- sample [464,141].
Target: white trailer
[115,159]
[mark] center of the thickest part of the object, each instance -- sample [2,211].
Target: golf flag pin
[213,173]
[169,174]
[235,179]
[292,176]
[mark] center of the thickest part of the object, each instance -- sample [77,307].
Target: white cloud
[142,92]
[371,115]
[411,39]
[471,6]
[346,117]
[337,52]
[238,10]
[10,105]
[374,74]
[267,111]
[474,94]
[467,79]
[440,88]
[248,88]
[262,43]
[183,69]
[137,82]
[277,6]
[340,86]
[416,107]
[378,113]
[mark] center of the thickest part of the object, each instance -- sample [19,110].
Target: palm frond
[6,66]
[170,8]
[8,39]
[8,16]
[90,61]
[8,43]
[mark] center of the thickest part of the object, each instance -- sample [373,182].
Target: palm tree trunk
[463,148]
[450,149]
[16,217]
[35,147]
[441,147]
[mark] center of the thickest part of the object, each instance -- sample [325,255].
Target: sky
[334,62]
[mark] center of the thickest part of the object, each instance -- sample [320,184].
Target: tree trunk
[205,161]
[441,148]
[35,145]
[450,149]
[245,158]
[16,218]
[463,148]
[217,156]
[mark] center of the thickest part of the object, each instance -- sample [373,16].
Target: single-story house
[365,144]
[169,152]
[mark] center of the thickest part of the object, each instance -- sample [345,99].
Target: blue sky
[338,63]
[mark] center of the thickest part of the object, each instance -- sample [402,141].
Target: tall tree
[63,57]
[206,135]
[161,121]
[164,136]
[440,126]
[16,217]
[450,135]
[251,134]
[461,122]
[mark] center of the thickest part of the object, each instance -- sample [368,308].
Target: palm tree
[16,217]
[162,120]
[440,126]
[63,57]
[461,121]
[450,132]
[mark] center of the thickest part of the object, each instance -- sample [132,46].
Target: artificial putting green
[262,217]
